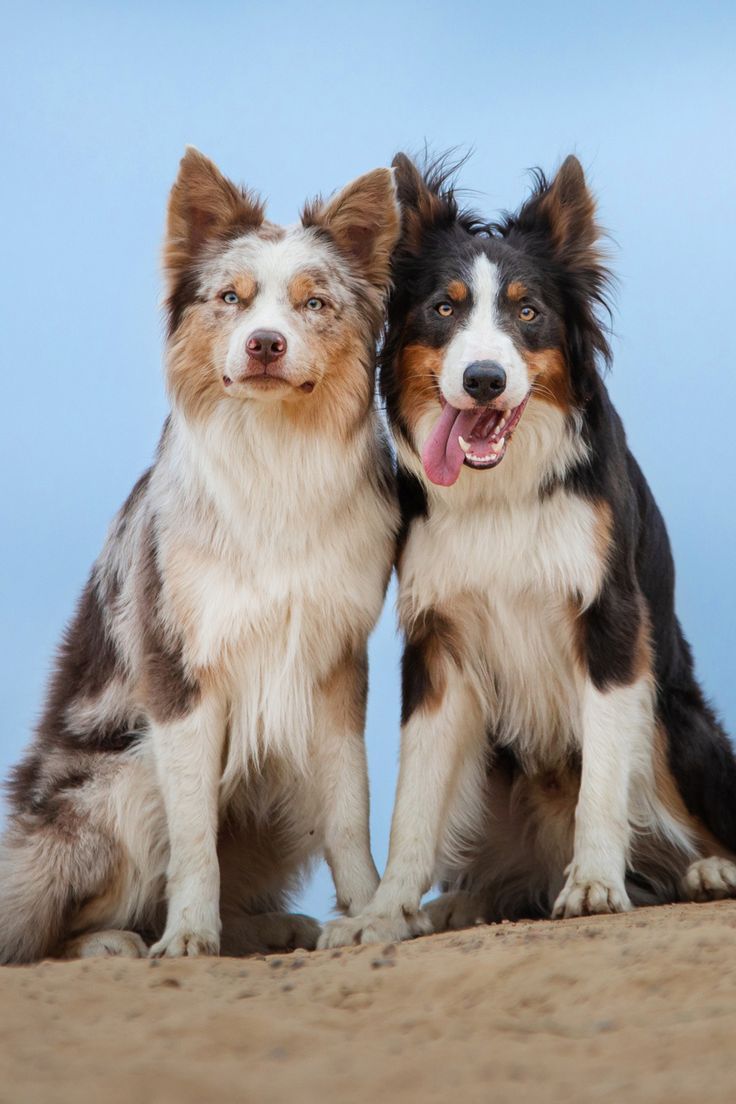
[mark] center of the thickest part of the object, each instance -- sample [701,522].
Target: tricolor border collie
[557,755]
[203,733]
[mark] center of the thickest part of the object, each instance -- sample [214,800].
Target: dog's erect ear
[204,205]
[421,206]
[363,221]
[564,213]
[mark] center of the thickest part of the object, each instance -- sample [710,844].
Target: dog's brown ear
[566,211]
[422,206]
[204,205]
[363,221]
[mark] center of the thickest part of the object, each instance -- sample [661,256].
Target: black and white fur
[557,754]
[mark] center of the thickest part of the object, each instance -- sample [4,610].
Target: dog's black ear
[363,221]
[203,206]
[423,205]
[561,216]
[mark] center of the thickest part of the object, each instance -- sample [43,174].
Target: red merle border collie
[557,753]
[202,738]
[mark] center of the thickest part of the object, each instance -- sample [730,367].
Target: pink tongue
[442,456]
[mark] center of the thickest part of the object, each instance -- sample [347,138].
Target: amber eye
[445,309]
[314,303]
[230,297]
[527,314]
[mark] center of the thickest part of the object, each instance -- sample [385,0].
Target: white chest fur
[272,573]
[509,575]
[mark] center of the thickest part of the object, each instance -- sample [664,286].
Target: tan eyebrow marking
[304,284]
[457,290]
[516,290]
[245,287]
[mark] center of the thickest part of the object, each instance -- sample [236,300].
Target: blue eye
[230,297]
[315,304]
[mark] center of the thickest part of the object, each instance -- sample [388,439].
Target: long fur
[202,739]
[557,751]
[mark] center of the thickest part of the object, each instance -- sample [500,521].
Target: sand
[639,1007]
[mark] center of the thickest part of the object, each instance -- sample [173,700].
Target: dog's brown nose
[266,345]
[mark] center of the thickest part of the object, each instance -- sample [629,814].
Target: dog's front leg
[188,755]
[443,727]
[343,783]
[617,726]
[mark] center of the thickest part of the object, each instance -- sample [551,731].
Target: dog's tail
[44,873]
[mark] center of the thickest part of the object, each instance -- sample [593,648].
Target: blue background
[98,102]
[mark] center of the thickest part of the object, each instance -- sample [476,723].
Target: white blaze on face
[481,338]
[272,266]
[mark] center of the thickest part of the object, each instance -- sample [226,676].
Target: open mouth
[476,438]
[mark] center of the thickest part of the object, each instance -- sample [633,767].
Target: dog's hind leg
[456,910]
[267,932]
[44,870]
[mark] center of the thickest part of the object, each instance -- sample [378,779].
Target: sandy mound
[627,1008]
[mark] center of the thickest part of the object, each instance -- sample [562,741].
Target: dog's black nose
[484,380]
[266,345]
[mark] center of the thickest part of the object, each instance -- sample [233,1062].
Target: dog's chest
[514,578]
[286,595]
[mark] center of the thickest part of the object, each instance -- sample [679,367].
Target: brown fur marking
[193,381]
[458,290]
[418,369]
[304,284]
[670,796]
[516,290]
[550,378]
[346,691]
[432,642]
[169,691]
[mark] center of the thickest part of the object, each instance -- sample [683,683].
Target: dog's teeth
[464,445]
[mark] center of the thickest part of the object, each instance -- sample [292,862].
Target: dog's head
[263,314]
[485,320]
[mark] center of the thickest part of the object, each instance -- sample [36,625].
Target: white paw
[453,911]
[710,879]
[588,896]
[374,928]
[110,944]
[181,942]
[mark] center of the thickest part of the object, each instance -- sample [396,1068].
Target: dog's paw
[591,896]
[373,928]
[110,944]
[267,932]
[710,879]
[453,911]
[185,943]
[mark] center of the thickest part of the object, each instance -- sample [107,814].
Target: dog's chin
[267,387]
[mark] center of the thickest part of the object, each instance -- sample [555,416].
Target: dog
[202,740]
[557,754]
